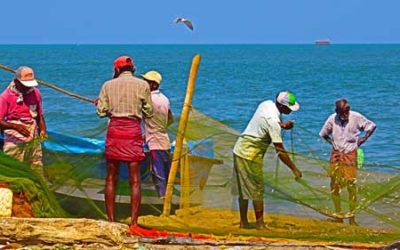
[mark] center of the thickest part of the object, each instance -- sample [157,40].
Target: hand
[43,135]
[287,125]
[297,173]
[96,101]
[22,129]
[361,141]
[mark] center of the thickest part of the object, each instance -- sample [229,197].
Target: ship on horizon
[323,42]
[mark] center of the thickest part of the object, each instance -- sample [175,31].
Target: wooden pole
[49,85]
[185,177]
[181,133]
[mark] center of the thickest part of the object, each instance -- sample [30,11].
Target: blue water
[232,80]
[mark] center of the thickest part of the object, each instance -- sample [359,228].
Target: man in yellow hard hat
[156,135]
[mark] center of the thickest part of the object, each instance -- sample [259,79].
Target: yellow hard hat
[153,76]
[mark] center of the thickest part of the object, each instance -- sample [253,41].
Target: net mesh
[75,172]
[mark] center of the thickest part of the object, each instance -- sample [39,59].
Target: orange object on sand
[154,233]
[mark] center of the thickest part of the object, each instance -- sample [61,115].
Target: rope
[49,85]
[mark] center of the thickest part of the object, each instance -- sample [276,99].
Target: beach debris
[6,198]
[63,231]
[187,22]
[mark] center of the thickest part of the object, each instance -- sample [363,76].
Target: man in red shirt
[21,118]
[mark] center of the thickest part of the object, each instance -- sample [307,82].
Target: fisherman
[125,100]
[156,135]
[22,119]
[345,127]
[263,129]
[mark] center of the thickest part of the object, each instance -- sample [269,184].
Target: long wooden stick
[49,85]
[181,133]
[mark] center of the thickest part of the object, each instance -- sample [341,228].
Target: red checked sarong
[124,141]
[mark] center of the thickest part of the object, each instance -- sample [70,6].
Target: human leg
[111,182]
[259,213]
[159,171]
[352,189]
[243,208]
[134,181]
[335,193]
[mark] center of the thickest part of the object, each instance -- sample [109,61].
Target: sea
[232,81]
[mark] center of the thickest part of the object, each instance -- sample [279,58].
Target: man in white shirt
[263,129]
[156,133]
[345,126]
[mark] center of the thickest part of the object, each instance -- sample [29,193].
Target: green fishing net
[75,172]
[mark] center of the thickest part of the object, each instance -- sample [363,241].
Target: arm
[40,118]
[371,127]
[274,130]
[326,131]
[18,127]
[102,103]
[287,125]
[42,126]
[8,125]
[147,104]
[329,140]
[284,157]
[170,117]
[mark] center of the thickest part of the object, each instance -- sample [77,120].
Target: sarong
[343,166]
[124,141]
[249,178]
[25,149]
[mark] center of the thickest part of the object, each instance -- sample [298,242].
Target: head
[123,64]
[343,109]
[153,78]
[286,102]
[24,79]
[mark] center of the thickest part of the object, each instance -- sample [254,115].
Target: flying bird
[187,22]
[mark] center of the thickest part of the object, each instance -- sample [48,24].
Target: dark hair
[123,69]
[127,68]
[342,102]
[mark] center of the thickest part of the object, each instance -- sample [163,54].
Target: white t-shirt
[262,129]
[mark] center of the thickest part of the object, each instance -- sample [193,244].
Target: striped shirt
[125,96]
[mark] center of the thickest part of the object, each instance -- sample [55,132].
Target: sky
[215,21]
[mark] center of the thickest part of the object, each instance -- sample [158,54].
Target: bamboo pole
[185,177]
[49,85]
[181,133]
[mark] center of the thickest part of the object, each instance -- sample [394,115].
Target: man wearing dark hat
[263,129]
[22,119]
[125,100]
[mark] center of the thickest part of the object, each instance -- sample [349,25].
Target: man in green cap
[263,129]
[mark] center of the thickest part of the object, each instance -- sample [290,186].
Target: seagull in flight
[187,22]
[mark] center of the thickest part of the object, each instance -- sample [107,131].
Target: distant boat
[323,42]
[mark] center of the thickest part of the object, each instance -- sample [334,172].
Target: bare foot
[260,225]
[335,220]
[244,225]
[352,221]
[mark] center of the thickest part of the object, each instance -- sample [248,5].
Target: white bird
[187,22]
